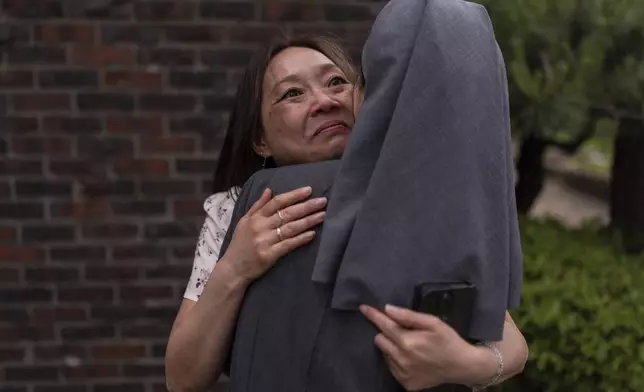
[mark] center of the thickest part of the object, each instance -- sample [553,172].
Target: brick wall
[111,116]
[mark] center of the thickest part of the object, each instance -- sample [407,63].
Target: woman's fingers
[386,325]
[389,349]
[293,213]
[412,320]
[284,200]
[294,228]
[288,244]
[261,202]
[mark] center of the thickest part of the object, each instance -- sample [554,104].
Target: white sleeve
[219,209]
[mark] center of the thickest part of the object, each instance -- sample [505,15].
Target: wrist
[229,274]
[482,366]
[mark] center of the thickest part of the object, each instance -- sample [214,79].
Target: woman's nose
[324,102]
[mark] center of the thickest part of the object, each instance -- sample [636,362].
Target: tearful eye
[291,94]
[337,81]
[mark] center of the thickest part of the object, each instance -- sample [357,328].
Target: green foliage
[582,312]
[565,57]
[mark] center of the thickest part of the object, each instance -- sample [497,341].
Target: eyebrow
[321,69]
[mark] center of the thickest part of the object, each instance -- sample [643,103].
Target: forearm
[199,344]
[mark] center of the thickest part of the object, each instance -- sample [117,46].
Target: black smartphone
[454,304]
[451,302]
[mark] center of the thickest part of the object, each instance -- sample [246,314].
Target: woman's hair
[238,160]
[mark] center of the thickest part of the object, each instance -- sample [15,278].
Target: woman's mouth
[332,127]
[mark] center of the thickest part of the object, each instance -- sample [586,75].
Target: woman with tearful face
[296,103]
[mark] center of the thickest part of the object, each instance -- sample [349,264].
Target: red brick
[196,166]
[112,273]
[41,101]
[16,79]
[20,211]
[251,34]
[60,313]
[182,252]
[11,354]
[142,166]
[121,387]
[71,125]
[189,34]
[21,9]
[168,57]
[189,208]
[95,208]
[137,253]
[86,294]
[41,146]
[139,208]
[21,166]
[118,351]
[78,253]
[107,188]
[103,55]
[48,233]
[165,10]
[20,253]
[85,372]
[110,231]
[54,275]
[26,332]
[301,12]
[228,10]
[144,370]
[58,352]
[173,272]
[170,231]
[130,124]
[8,234]
[167,145]
[90,333]
[160,189]
[30,373]
[100,148]
[130,294]
[55,33]
[167,102]
[5,189]
[9,275]
[78,168]
[133,79]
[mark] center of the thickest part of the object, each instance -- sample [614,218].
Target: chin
[334,153]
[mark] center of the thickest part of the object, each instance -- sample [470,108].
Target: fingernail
[392,308]
[307,189]
[321,201]
[363,308]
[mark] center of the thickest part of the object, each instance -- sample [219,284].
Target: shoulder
[219,202]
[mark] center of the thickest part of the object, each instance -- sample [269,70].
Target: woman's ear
[261,148]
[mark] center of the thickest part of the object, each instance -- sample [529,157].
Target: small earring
[264,162]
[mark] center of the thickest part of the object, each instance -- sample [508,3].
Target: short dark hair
[237,159]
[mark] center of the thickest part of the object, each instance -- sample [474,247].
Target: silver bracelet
[499,369]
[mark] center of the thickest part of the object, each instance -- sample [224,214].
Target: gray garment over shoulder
[425,189]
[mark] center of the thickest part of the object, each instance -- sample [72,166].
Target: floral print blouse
[219,210]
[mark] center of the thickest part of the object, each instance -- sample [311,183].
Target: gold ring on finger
[279,214]
[279,233]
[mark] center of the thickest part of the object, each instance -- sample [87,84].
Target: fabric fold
[424,192]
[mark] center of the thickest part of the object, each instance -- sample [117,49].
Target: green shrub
[582,312]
